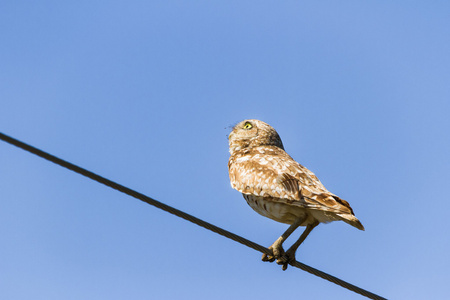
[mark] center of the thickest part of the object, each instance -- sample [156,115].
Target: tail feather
[352,220]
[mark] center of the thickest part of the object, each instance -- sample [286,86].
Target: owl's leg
[289,256]
[277,246]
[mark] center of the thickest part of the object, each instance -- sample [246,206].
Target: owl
[279,188]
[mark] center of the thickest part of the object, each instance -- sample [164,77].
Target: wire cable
[182,214]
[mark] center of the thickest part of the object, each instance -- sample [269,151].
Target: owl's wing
[273,173]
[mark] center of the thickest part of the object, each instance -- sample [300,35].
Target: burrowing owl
[278,187]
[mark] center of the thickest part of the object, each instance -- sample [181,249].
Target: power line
[182,214]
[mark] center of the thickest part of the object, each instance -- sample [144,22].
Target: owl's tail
[352,220]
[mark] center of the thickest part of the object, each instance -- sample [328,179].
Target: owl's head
[253,133]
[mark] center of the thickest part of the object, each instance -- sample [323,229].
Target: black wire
[182,214]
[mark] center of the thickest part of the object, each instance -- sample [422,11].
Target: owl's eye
[248,125]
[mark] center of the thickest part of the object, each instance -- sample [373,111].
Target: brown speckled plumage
[278,187]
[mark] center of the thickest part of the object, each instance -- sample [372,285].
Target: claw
[283,261]
[266,257]
[277,253]
[286,260]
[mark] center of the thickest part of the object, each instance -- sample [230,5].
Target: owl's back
[268,175]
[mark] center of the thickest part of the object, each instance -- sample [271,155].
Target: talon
[277,253]
[286,260]
[269,258]
[283,260]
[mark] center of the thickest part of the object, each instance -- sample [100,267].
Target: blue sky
[144,92]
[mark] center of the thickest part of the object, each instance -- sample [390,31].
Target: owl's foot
[277,253]
[286,259]
[289,257]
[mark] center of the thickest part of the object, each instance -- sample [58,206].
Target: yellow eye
[248,125]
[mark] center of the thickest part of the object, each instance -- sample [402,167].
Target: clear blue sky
[144,92]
